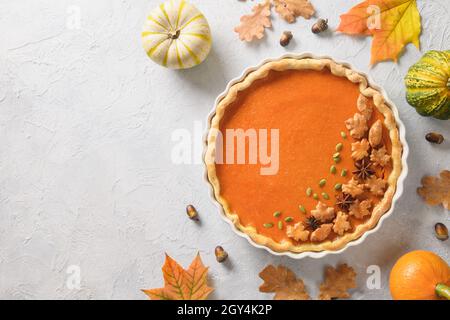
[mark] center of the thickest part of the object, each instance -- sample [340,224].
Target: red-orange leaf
[180,284]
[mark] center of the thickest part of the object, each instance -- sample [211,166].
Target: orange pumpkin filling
[309,108]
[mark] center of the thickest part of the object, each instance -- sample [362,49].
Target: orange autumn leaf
[393,24]
[181,284]
[253,25]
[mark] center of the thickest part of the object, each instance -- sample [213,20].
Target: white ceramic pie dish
[400,181]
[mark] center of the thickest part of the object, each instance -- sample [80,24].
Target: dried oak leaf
[253,25]
[360,149]
[180,284]
[379,157]
[364,107]
[323,213]
[291,9]
[297,232]
[283,282]
[337,282]
[357,125]
[341,223]
[436,190]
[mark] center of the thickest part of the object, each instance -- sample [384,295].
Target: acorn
[441,231]
[434,137]
[221,254]
[191,212]
[320,26]
[286,37]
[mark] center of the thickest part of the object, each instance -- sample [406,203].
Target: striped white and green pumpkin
[176,35]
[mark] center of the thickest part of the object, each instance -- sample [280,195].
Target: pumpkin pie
[303,155]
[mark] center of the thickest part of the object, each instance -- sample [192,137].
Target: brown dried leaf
[283,282]
[252,26]
[436,190]
[291,9]
[337,282]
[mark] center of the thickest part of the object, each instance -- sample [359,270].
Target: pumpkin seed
[344,172]
[302,208]
[325,196]
[309,192]
[337,155]
[333,169]
[343,135]
[337,160]
[268,225]
[338,186]
[280,225]
[322,182]
[316,196]
[339,147]
[289,219]
[277,214]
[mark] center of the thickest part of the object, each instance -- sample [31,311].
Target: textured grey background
[86,176]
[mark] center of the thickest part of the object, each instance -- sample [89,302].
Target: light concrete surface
[87,121]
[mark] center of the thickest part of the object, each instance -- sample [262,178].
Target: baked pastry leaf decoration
[436,190]
[297,232]
[379,157]
[253,25]
[360,149]
[357,125]
[341,223]
[322,232]
[284,283]
[376,134]
[360,209]
[364,107]
[376,186]
[337,282]
[353,188]
[323,213]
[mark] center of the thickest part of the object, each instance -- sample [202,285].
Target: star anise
[344,201]
[363,169]
[312,223]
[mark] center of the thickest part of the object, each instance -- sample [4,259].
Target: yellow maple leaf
[393,24]
[283,282]
[180,284]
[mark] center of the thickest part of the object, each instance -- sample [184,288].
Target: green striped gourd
[428,85]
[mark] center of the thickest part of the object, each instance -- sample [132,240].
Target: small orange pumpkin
[420,275]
